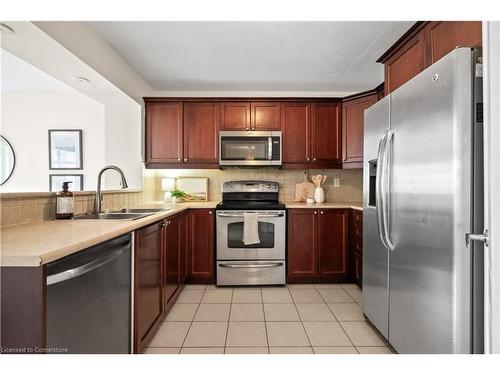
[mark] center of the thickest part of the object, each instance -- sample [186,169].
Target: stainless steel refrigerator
[422,194]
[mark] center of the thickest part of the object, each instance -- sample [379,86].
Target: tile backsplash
[350,189]
[29,208]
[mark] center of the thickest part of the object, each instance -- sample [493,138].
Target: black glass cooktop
[250,205]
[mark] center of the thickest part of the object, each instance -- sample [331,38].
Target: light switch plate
[336,182]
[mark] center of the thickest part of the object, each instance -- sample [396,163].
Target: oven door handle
[264,216]
[252,265]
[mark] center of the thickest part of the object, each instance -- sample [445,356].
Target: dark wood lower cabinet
[148,285]
[168,253]
[302,245]
[172,246]
[333,257]
[201,232]
[356,246]
[318,245]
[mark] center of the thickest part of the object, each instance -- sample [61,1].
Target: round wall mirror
[7,160]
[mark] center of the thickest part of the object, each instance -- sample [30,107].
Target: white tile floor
[301,319]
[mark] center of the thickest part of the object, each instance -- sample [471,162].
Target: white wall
[123,145]
[491,81]
[26,118]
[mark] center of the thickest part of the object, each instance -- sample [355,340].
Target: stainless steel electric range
[261,263]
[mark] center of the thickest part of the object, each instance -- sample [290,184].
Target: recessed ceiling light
[82,79]
[6,29]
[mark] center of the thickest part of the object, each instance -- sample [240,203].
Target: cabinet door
[295,124]
[164,132]
[266,116]
[353,128]
[201,131]
[357,266]
[172,250]
[332,243]
[148,275]
[444,36]
[201,246]
[183,247]
[235,116]
[302,249]
[406,63]
[326,133]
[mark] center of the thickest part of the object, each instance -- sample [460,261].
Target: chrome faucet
[98,198]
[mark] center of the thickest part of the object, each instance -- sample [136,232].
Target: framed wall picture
[196,188]
[65,149]
[56,181]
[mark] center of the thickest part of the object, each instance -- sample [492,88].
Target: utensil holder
[319,195]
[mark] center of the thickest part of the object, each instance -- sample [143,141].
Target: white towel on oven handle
[251,228]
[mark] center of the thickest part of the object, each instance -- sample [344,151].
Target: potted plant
[177,195]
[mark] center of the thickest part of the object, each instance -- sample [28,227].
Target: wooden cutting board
[305,189]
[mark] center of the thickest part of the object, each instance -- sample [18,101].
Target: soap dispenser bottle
[65,202]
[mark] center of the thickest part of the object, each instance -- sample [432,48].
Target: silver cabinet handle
[308,159]
[185,160]
[484,238]
[315,212]
[210,212]
[314,159]
[81,270]
[247,129]
[321,212]
[251,265]
[179,159]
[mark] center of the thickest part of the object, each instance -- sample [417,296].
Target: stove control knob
[269,186]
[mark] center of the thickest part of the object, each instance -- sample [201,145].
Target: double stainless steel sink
[123,214]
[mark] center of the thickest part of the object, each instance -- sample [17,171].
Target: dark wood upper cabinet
[148,283]
[164,132]
[265,116]
[302,260]
[326,133]
[406,63]
[235,116]
[333,235]
[424,44]
[201,228]
[296,131]
[353,129]
[172,252]
[444,36]
[201,131]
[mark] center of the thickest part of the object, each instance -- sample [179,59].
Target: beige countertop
[34,244]
[326,205]
[45,241]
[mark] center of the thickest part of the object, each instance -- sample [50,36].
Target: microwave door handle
[270,148]
[378,189]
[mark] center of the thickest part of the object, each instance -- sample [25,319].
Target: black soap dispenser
[65,202]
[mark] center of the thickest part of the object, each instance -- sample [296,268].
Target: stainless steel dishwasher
[89,299]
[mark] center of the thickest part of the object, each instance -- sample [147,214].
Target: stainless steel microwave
[249,149]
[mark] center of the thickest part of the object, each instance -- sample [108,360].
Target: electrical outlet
[336,182]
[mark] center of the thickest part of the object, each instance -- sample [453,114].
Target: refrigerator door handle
[386,187]
[378,189]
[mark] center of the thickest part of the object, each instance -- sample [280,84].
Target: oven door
[272,232]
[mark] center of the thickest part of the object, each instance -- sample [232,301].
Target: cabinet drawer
[251,272]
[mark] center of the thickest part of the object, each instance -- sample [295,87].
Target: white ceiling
[255,56]
[18,75]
